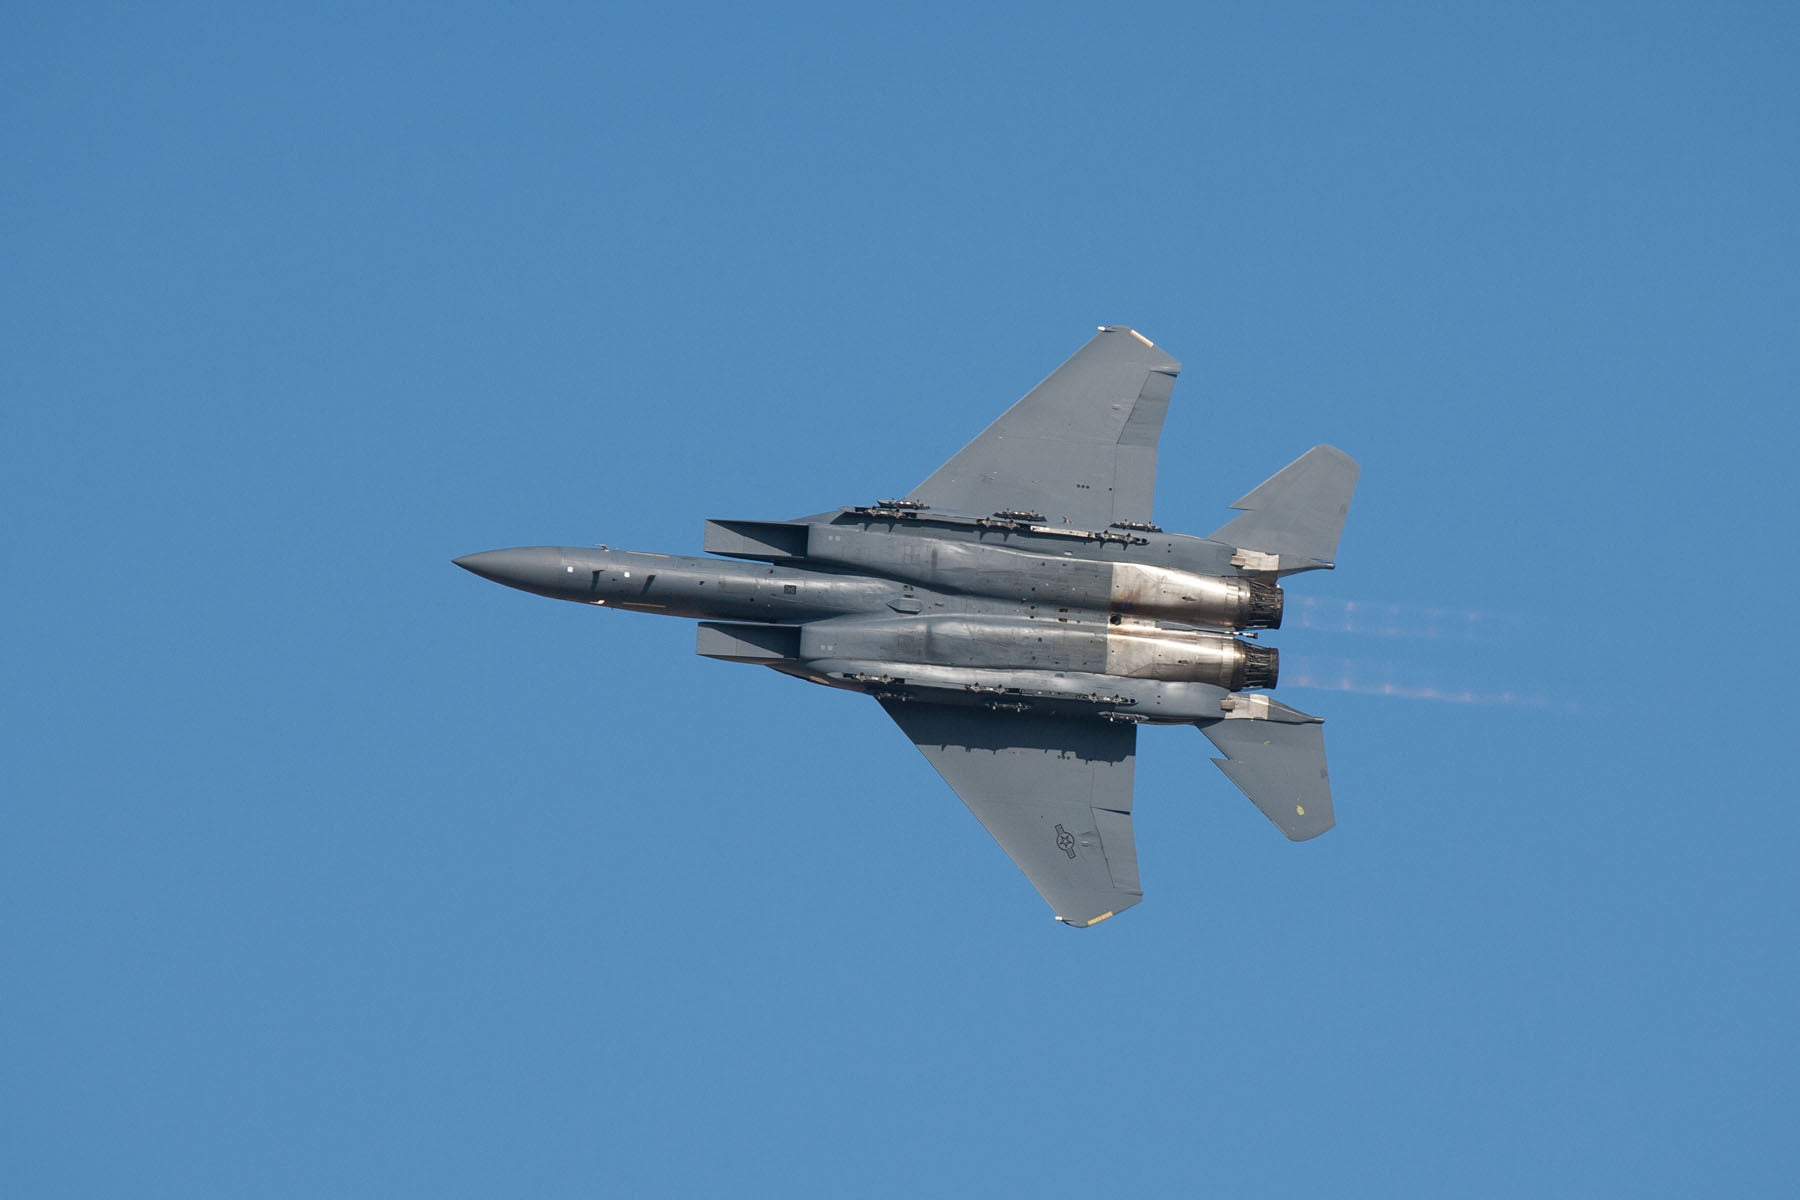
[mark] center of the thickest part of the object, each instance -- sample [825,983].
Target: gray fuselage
[1001,613]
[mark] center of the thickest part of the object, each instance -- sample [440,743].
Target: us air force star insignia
[1065,841]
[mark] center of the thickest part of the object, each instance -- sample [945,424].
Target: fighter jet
[1019,616]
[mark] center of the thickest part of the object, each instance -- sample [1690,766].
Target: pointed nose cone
[488,564]
[529,568]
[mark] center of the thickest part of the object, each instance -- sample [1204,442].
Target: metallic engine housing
[1225,601]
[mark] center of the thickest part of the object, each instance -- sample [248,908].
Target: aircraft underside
[1019,615]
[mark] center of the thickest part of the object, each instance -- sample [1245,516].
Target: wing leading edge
[1080,447]
[1054,792]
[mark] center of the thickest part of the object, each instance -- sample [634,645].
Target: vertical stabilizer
[1297,514]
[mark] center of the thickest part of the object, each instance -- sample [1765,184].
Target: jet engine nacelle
[1134,649]
[1147,652]
[1228,601]
[976,569]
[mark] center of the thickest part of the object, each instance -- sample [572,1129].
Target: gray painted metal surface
[1080,447]
[1298,513]
[1019,616]
[1055,793]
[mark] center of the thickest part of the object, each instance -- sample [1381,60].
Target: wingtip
[1075,923]
[1128,329]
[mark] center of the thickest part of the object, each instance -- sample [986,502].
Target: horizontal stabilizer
[1276,756]
[748,643]
[1297,514]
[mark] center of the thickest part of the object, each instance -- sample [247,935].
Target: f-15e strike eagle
[1019,616]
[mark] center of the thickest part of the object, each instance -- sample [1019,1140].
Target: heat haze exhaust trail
[1374,679]
[1331,615]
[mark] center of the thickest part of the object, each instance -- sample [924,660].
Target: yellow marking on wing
[1300,808]
[1098,919]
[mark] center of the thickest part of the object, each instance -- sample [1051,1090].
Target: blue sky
[327,869]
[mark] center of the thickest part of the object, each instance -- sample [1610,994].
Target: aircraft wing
[1054,792]
[1080,448]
